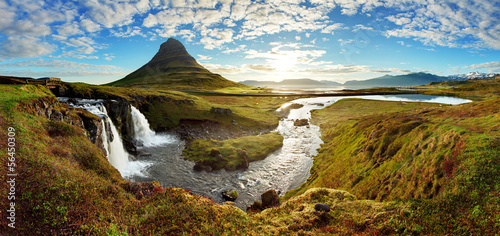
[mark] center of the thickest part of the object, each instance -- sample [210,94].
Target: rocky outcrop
[120,113]
[230,195]
[269,199]
[222,111]
[51,108]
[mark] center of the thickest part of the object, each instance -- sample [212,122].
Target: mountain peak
[172,46]
[172,67]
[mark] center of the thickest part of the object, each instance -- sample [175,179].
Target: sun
[283,62]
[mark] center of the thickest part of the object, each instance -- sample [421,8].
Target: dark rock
[120,113]
[208,169]
[322,207]
[144,154]
[57,116]
[222,111]
[242,154]
[72,101]
[198,166]
[301,122]
[230,195]
[256,206]
[270,199]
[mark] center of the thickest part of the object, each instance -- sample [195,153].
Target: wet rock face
[120,113]
[94,131]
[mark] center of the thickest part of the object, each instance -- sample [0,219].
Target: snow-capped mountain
[471,75]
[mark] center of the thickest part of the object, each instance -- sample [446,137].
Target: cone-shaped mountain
[173,68]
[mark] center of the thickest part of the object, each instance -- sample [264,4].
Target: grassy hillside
[444,160]
[65,186]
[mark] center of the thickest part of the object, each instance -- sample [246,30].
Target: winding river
[283,170]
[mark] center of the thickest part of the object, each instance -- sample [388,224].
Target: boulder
[256,206]
[230,195]
[223,111]
[301,122]
[270,199]
[322,207]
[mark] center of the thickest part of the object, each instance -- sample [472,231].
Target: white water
[117,155]
[143,132]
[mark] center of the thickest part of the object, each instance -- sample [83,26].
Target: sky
[100,41]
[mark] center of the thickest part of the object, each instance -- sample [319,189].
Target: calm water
[283,170]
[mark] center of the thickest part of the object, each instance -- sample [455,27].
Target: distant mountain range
[292,83]
[413,79]
[471,75]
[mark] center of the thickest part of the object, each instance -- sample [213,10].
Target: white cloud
[331,28]
[111,13]
[24,47]
[69,28]
[129,32]
[89,25]
[297,38]
[203,57]
[465,24]
[492,67]
[59,68]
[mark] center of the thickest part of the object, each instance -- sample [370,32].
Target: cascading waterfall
[117,155]
[143,132]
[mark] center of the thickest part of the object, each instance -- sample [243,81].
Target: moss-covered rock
[232,154]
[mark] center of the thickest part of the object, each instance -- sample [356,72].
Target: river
[283,170]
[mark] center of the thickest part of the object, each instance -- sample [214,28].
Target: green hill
[173,68]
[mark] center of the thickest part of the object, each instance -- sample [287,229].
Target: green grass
[235,152]
[476,90]
[442,160]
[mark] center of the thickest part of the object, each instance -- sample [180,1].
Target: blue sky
[97,41]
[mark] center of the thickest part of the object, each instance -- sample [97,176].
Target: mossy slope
[444,156]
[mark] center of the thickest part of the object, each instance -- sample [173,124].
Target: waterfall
[143,132]
[115,151]
[117,155]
